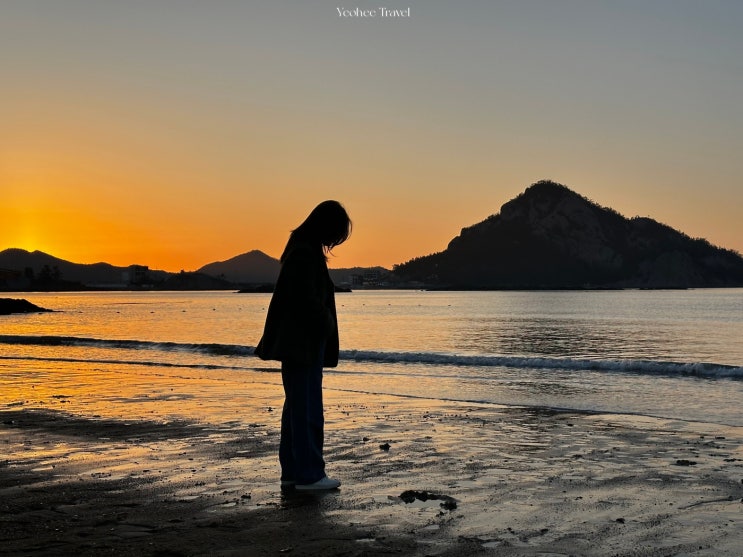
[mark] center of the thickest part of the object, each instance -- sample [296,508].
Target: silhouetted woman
[301,331]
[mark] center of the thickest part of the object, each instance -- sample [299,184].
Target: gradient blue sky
[173,133]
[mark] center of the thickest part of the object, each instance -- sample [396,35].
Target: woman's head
[328,224]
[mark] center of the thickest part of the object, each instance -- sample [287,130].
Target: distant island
[548,237]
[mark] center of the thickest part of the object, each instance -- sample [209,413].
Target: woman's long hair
[327,226]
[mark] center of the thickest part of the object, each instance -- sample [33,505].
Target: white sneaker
[319,485]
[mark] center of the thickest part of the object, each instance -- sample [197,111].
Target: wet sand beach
[190,468]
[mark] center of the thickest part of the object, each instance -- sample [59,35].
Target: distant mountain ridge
[547,237]
[21,260]
[21,269]
[552,237]
[24,270]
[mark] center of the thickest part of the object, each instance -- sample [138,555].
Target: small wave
[697,369]
[211,349]
[650,367]
[145,363]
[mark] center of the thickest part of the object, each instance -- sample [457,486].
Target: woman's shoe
[320,485]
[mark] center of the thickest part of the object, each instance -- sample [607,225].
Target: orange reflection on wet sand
[134,391]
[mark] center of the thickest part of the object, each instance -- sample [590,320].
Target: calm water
[672,354]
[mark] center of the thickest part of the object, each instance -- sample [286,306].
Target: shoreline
[523,481]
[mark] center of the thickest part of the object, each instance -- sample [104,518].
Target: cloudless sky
[174,133]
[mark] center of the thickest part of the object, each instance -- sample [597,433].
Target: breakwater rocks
[18,305]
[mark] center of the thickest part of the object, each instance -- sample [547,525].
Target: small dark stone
[385,446]
[408,496]
[684,462]
[620,520]
[449,505]
[447,502]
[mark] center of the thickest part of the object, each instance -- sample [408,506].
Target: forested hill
[551,237]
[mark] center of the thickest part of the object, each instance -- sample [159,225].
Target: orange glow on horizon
[76,222]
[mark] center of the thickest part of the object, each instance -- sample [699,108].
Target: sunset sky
[174,133]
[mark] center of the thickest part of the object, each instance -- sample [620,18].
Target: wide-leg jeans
[302,424]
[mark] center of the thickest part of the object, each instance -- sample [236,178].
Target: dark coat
[301,317]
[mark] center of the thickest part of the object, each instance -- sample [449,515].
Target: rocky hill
[552,237]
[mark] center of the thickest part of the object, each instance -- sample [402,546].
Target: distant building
[137,275]
[372,278]
[369,279]
[10,279]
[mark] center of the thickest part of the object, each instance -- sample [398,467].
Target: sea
[671,354]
